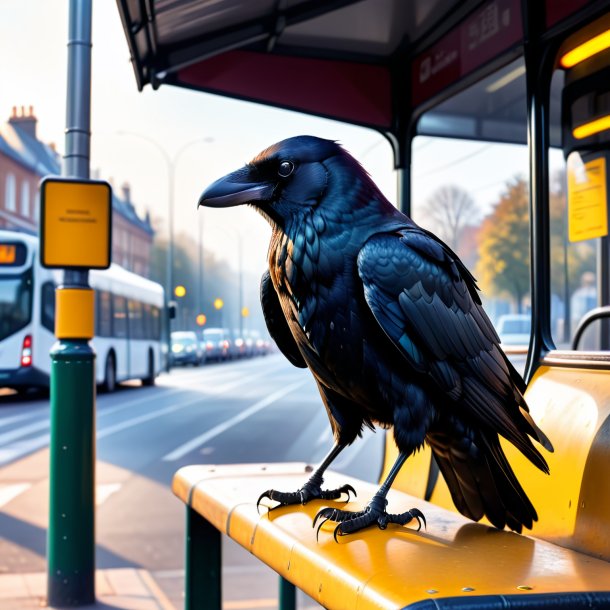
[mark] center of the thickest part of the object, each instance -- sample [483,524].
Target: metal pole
[241,286]
[71,533]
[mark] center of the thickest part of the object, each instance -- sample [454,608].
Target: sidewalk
[124,589]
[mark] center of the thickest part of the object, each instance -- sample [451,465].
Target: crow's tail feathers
[481,481]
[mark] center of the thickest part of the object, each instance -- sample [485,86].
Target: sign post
[75,236]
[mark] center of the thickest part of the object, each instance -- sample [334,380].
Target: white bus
[128,320]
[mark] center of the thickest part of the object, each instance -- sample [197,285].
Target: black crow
[390,323]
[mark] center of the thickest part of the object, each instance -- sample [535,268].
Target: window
[47,313]
[104,314]
[25,198]
[10,196]
[15,303]
[136,320]
[119,316]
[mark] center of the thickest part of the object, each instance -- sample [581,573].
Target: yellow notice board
[76,223]
[587,202]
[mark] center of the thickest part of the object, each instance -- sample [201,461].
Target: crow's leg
[312,490]
[374,513]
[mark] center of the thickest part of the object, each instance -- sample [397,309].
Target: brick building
[25,160]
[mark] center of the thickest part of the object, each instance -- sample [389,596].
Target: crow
[389,322]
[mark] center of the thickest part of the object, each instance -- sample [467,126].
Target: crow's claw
[350,522]
[309,491]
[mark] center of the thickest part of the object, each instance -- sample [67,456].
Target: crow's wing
[427,303]
[276,323]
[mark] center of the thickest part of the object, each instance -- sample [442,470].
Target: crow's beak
[235,189]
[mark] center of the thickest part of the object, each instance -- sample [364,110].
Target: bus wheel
[110,375]
[150,377]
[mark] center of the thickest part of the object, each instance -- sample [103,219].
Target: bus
[128,320]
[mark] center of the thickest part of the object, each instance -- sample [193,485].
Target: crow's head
[284,179]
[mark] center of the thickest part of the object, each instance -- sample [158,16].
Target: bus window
[580,246]
[155,323]
[104,314]
[119,318]
[47,304]
[136,320]
[15,303]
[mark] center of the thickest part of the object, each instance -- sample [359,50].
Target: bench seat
[453,563]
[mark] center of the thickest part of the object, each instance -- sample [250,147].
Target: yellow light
[218,304]
[591,128]
[587,49]
[245,312]
[201,319]
[180,291]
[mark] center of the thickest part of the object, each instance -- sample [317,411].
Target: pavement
[124,588]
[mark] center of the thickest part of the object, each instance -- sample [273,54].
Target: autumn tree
[503,266]
[448,211]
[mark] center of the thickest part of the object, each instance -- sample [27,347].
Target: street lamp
[171,163]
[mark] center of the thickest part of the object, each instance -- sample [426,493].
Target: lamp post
[171,163]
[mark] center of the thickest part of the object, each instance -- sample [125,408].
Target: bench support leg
[288,595]
[202,587]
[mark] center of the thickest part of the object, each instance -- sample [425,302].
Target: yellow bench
[455,563]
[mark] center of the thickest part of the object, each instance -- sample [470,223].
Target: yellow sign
[587,198]
[75,223]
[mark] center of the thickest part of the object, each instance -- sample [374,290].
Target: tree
[449,210]
[503,266]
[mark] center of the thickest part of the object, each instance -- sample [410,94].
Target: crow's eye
[285,169]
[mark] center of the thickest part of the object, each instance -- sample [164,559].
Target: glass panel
[136,320]
[47,315]
[15,303]
[119,318]
[475,197]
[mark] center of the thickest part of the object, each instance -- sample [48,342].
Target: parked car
[514,329]
[256,344]
[185,349]
[216,344]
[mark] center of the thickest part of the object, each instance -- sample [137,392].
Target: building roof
[19,145]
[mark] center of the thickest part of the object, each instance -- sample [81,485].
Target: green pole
[71,533]
[71,540]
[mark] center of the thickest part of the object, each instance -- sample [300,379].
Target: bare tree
[449,210]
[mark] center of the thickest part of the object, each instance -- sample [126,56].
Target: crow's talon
[350,522]
[309,491]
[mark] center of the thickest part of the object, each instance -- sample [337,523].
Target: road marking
[134,421]
[13,418]
[12,452]
[104,491]
[24,431]
[10,492]
[182,450]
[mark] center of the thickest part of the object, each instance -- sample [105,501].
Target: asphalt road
[258,410]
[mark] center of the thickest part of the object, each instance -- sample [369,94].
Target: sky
[204,136]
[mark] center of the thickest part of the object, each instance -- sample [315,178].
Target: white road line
[6,421]
[182,450]
[10,492]
[104,491]
[134,421]
[7,437]
[16,450]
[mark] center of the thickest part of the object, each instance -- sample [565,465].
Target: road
[257,410]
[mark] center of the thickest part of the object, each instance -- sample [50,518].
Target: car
[216,343]
[514,329]
[185,349]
